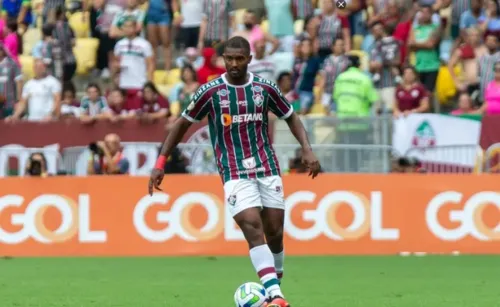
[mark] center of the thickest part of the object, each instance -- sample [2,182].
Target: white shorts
[242,194]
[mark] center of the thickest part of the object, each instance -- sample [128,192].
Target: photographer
[107,157]
[37,165]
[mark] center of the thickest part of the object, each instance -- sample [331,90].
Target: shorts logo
[231,200]
[279,188]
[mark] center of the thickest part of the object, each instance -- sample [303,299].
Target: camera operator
[36,165]
[107,157]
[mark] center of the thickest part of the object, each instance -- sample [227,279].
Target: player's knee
[253,231]
[274,234]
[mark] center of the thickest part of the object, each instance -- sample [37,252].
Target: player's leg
[273,216]
[273,222]
[245,205]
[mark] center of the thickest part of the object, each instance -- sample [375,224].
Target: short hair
[237,42]
[47,29]
[250,11]
[282,76]
[94,85]
[354,61]
[151,86]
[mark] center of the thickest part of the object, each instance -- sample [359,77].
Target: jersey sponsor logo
[242,103]
[225,103]
[249,163]
[228,119]
[205,87]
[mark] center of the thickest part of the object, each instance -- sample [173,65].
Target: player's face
[236,60]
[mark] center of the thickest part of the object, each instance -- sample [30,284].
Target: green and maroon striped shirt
[218,14]
[238,124]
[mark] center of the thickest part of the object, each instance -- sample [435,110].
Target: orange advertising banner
[333,214]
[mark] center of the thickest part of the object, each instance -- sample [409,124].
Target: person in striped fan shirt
[331,27]
[237,104]
[94,106]
[262,64]
[217,21]
[331,68]
[11,82]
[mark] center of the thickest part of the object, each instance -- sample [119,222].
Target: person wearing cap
[354,91]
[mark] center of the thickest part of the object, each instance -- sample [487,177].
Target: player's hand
[155,180]
[311,162]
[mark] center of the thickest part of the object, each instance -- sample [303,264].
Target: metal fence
[376,130]
[449,159]
[334,158]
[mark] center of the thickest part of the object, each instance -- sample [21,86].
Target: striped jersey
[486,73]
[217,13]
[238,124]
[386,51]
[332,67]
[10,74]
[330,28]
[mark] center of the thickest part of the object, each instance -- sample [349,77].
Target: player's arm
[195,112]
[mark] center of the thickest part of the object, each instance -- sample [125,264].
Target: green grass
[431,281]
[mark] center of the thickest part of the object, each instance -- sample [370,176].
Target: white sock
[263,262]
[279,259]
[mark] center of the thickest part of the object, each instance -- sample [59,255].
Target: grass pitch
[430,281]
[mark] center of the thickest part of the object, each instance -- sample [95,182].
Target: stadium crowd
[145,60]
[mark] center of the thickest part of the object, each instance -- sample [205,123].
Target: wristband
[177,14]
[160,162]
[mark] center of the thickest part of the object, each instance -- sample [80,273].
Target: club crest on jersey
[258,97]
[231,200]
[249,163]
[222,92]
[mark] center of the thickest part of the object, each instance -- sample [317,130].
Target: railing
[449,159]
[334,158]
[376,130]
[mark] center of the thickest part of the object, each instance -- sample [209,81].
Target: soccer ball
[250,294]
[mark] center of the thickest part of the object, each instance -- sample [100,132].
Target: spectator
[131,12]
[261,63]
[331,68]
[49,10]
[302,8]
[41,97]
[153,105]
[121,108]
[11,83]
[468,54]
[295,165]
[411,96]
[402,33]
[50,51]
[458,8]
[217,20]
[384,64]
[490,23]
[94,106]
[13,41]
[101,18]
[18,10]
[486,62]
[424,40]
[465,106]
[305,69]
[184,93]
[280,16]
[310,31]
[192,15]
[332,26]
[36,165]
[491,104]
[390,16]
[66,37]
[190,58]
[209,70]
[285,85]
[134,68]
[354,92]
[252,32]
[70,106]
[159,18]
[107,157]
